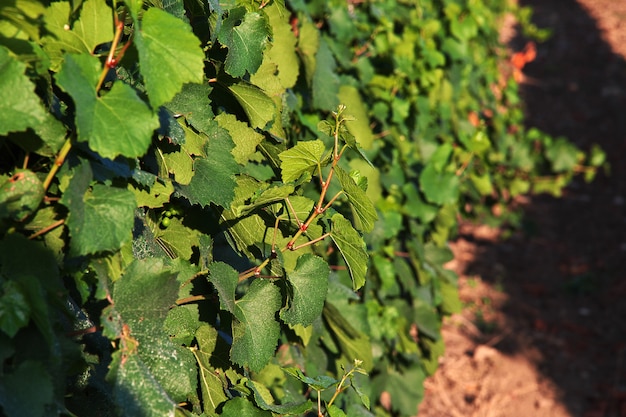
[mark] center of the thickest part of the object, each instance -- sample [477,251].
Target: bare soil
[544,328]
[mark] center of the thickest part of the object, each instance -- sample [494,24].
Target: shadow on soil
[564,272]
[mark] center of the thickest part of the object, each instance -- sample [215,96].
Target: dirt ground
[544,328]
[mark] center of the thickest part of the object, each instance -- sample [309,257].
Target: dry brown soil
[544,328]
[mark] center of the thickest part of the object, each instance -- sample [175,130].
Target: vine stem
[320,207]
[47,229]
[65,149]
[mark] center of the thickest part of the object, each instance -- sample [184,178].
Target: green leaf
[135,389]
[225,279]
[334,411]
[352,248]
[290,408]
[169,55]
[282,54]
[325,80]
[211,383]
[214,176]
[93,28]
[14,309]
[363,208]
[308,284]
[245,35]
[353,344]
[406,389]
[320,382]
[20,195]
[27,391]
[180,239]
[563,155]
[268,196]
[355,107]
[143,297]
[259,107]
[240,407]
[306,156]
[101,218]
[193,103]
[20,107]
[439,187]
[245,138]
[255,330]
[119,114]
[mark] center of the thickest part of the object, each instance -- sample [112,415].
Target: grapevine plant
[242,207]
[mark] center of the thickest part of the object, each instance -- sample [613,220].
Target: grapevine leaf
[193,103]
[245,35]
[264,197]
[352,248]
[563,155]
[325,79]
[439,187]
[14,309]
[363,207]
[20,107]
[27,391]
[240,407]
[94,27]
[334,411]
[304,157]
[225,279]
[210,382]
[309,284]
[143,297]
[169,55]
[359,127]
[407,388]
[281,57]
[259,107]
[245,138]
[101,218]
[20,195]
[353,343]
[255,330]
[320,382]
[291,408]
[214,177]
[179,239]
[119,114]
[135,389]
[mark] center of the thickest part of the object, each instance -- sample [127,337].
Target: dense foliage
[241,208]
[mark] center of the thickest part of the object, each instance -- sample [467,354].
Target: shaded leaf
[27,391]
[225,279]
[308,284]
[245,35]
[214,176]
[255,330]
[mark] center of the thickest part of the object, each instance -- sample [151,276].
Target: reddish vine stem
[320,207]
[47,229]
